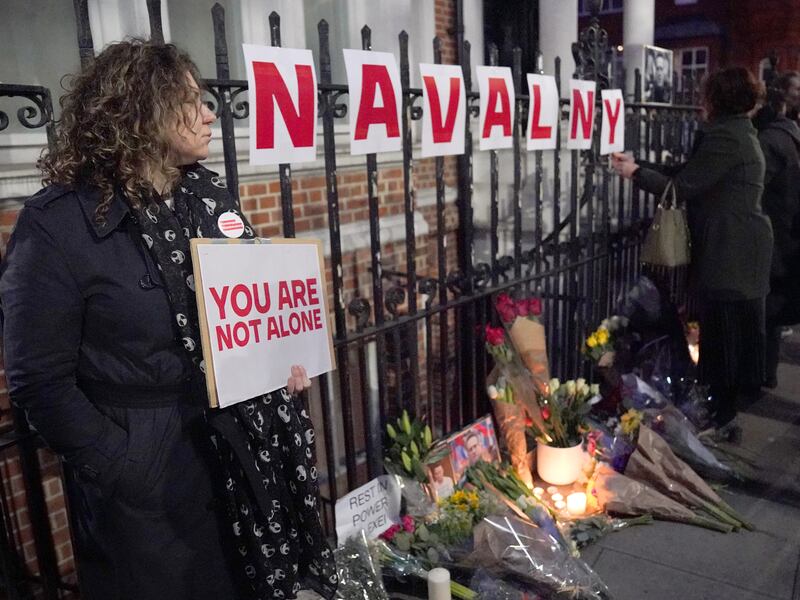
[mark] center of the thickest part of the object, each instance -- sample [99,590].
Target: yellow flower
[601,335]
[591,341]
[630,421]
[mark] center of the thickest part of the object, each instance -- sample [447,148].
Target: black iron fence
[416,335]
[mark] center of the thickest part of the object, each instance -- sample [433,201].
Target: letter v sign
[444,110]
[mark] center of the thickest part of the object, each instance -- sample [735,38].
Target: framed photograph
[656,75]
[477,441]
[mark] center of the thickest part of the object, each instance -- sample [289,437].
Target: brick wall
[260,199]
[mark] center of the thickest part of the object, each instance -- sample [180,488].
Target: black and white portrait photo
[657,75]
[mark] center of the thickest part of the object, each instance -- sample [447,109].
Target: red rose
[522,308]
[506,308]
[535,306]
[528,421]
[545,413]
[495,336]
[408,524]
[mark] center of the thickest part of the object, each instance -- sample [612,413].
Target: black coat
[721,184]
[780,142]
[92,356]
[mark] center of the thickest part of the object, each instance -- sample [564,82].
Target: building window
[693,64]
[608,7]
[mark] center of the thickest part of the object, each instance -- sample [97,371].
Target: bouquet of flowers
[521,319]
[564,408]
[599,345]
[512,390]
[411,448]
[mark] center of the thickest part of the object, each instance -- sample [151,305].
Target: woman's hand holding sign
[299,381]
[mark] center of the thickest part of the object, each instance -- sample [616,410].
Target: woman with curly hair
[168,500]
[721,185]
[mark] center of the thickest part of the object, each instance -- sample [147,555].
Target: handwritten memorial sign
[373,508]
[262,309]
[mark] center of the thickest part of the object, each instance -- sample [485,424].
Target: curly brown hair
[732,91]
[115,121]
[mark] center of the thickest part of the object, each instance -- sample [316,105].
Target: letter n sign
[581,114]
[282,92]
[375,99]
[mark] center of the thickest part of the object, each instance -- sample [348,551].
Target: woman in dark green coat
[721,185]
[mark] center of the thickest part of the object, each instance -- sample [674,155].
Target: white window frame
[607,8]
[679,67]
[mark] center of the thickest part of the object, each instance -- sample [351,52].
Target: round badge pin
[231,225]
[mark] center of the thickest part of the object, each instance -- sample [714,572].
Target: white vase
[559,466]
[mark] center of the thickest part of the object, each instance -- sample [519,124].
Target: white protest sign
[282,93]
[581,114]
[262,309]
[612,128]
[373,508]
[375,101]
[496,87]
[444,111]
[543,117]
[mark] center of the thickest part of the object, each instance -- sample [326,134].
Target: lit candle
[556,497]
[552,490]
[560,505]
[576,503]
[538,492]
[439,584]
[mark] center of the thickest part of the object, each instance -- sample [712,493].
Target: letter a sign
[375,97]
[581,114]
[496,86]
[444,112]
[282,91]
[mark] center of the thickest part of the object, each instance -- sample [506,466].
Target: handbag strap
[668,190]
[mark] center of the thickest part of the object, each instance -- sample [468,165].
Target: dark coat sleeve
[714,157]
[42,319]
[774,156]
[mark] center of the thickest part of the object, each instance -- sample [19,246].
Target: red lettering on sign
[272,328]
[497,91]
[317,318]
[220,300]
[240,334]
[372,78]
[294,323]
[240,290]
[613,116]
[299,292]
[582,113]
[271,90]
[311,286]
[284,298]
[224,340]
[442,131]
[254,325]
[538,132]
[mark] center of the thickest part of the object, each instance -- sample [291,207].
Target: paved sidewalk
[669,561]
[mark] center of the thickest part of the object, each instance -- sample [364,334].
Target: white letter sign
[581,114]
[375,101]
[373,508]
[282,92]
[612,129]
[543,114]
[444,111]
[496,87]
[262,309]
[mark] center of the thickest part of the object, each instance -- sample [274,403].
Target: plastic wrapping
[587,530]
[512,549]
[359,578]
[675,428]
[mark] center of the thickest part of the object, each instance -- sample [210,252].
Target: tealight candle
[560,505]
[538,492]
[552,490]
[556,497]
[576,503]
